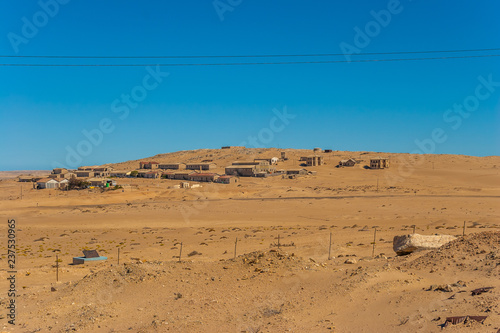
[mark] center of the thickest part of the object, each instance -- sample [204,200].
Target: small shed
[88,255]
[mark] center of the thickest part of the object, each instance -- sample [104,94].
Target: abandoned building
[225,179]
[84,173]
[152,174]
[172,166]
[57,171]
[148,165]
[203,177]
[47,183]
[25,179]
[102,171]
[200,166]
[120,173]
[87,168]
[379,163]
[250,168]
[242,170]
[296,172]
[101,182]
[347,163]
[271,161]
[313,160]
[181,175]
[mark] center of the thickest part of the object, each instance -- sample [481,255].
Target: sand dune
[264,289]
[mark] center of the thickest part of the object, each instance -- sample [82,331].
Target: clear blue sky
[375,106]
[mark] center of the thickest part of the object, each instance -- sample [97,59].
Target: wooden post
[57,268]
[21,192]
[330,247]
[235,244]
[118,256]
[278,241]
[374,241]
[463,232]
[377,184]
[180,253]
[413,228]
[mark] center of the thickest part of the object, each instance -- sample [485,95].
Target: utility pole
[180,253]
[57,268]
[374,241]
[235,244]
[330,247]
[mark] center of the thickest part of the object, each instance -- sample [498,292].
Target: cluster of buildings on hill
[60,177]
[101,176]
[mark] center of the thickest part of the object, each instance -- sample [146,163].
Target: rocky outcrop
[407,244]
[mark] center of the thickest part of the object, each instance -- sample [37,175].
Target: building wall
[244,172]
[84,174]
[171,166]
[379,163]
[146,165]
[201,166]
[202,178]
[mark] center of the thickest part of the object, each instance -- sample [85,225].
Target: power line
[240,56]
[252,63]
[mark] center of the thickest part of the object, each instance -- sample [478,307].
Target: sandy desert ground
[295,288]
